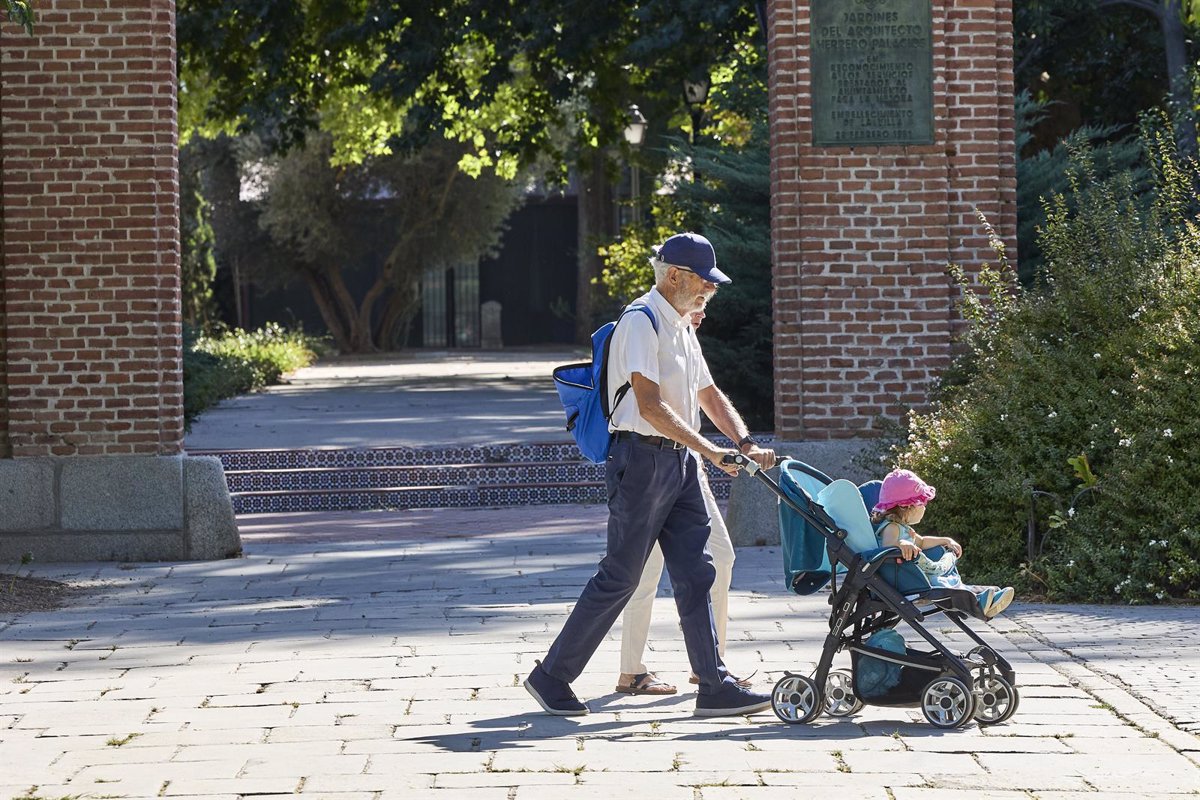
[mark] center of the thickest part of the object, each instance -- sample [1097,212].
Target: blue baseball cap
[693,252]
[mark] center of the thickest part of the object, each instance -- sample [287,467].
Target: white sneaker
[999,601]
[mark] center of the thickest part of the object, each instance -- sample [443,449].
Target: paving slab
[381,655]
[397,399]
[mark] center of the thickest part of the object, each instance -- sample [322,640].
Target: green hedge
[1100,360]
[233,363]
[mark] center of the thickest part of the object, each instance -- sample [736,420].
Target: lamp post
[695,93]
[635,133]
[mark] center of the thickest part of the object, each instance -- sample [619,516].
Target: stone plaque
[872,72]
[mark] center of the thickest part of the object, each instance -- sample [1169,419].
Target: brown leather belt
[660,442]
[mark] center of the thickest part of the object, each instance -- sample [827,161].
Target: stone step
[349,478]
[337,458]
[417,497]
[331,479]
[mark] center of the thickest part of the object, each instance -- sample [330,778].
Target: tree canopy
[512,80]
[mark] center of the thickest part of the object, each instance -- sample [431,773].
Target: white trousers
[635,622]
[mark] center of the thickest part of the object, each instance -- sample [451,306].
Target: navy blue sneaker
[731,700]
[553,695]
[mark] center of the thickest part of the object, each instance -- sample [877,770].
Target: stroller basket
[910,681]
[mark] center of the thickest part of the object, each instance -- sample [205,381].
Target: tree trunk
[362,322]
[328,307]
[1175,45]
[595,225]
[359,334]
[398,316]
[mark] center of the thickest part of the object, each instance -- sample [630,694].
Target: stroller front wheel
[947,703]
[840,700]
[796,699]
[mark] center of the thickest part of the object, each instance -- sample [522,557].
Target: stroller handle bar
[750,465]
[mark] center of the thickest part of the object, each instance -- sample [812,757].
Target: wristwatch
[746,440]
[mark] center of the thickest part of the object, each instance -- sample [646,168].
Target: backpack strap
[624,390]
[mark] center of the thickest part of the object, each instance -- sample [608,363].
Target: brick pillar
[91,230]
[91,373]
[861,235]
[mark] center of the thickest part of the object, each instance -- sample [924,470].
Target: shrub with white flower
[1095,360]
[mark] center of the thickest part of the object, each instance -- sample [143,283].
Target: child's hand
[908,550]
[952,546]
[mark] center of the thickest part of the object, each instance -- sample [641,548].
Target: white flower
[1070,512]
[1170,460]
[957,465]
[1168,433]
[1003,417]
[1052,415]
[974,468]
[1070,563]
[1125,442]
[1136,314]
[1160,595]
[945,459]
[1095,355]
[1116,393]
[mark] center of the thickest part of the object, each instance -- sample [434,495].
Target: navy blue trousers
[653,495]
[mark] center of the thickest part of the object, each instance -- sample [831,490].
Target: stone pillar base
[116,508]
[753,514]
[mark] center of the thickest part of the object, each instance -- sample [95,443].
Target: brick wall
[90,250]
[861,236]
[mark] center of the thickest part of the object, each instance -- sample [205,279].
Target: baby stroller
[827,536]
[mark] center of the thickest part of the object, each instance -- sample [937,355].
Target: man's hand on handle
[716,456]
[763,457]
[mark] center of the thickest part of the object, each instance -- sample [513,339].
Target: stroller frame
[951,689]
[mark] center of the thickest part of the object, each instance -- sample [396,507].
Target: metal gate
[450,307]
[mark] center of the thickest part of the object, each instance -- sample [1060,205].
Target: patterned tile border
[381,478]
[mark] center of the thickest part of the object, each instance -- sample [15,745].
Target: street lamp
[695,93]
[635,131]
[635,134]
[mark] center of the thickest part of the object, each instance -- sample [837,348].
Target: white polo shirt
[671,358]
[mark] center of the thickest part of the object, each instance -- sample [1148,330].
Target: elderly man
[653,485]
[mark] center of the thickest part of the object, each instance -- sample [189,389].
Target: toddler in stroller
[827,536]
[900,505]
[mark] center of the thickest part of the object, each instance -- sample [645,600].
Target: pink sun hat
[902,487]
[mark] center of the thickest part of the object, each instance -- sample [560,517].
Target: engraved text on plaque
[872,72]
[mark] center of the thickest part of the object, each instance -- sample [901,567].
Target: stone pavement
[380,656]
[414,399]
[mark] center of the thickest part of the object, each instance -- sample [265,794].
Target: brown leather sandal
[647,683]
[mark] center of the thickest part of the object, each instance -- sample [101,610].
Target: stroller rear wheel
[840,700]
[995,699]
[796,699]
[947,703]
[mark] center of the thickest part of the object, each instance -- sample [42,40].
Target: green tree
[1108,60]
[20,12]
[730,204]
[513,82]
[1043,174]
[397,215]
[198,263]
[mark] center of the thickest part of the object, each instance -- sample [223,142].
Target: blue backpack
[583,390]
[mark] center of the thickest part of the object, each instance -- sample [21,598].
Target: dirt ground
[19,595]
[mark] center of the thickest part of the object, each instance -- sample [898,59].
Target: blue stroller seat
[808,568]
